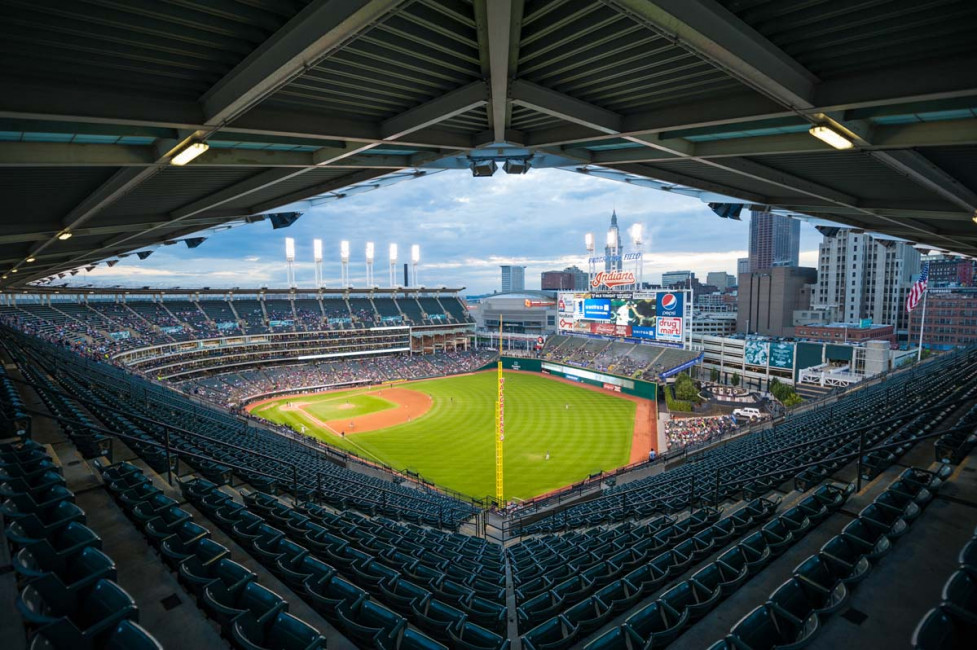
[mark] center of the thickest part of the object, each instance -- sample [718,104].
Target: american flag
[917,289]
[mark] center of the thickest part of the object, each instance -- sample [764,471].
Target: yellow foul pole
[499,425]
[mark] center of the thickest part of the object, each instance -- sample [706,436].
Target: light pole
[344,259]
[369,264]
[415,257]
[393,265]
[589,241]
[290,262]
[317,256]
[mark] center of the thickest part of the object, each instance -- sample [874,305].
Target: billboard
[647,316]
[669,329]
[782,355]
[756,353]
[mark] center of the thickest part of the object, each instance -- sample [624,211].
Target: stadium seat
[283,632]
[619,596]
[83,570]
[472,637]
[224,604]
[555,634]
[734,567]
[619,638]
[766,629]
[846,559]
[891,524]
[183,543]
[52,553]
[43,523]
[128,635]
[198,574]
[779,538]
[434,617]
[74,620]
[486,613]
[588,615]
[692,596]
[870,540]
[365,620]
[658,624]
[801,597]
[22,503]
[960,591]
[332,594]
[756,551]
[944,629]
[165,525]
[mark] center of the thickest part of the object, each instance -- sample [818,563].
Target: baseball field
[556,432]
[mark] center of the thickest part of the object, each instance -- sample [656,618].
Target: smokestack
[406,284]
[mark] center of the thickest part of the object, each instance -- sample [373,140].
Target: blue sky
[466,227]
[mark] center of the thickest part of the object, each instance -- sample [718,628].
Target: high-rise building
[513,278]
[720,279]
[775,240]
[951,318]
[860,276]
[613,251]
[569,279]
[950,271]
[768,299]
[742,266]
[671,278]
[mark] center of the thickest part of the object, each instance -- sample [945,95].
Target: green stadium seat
[692,596]
[53,553]
[128,635]
[960,591]
[756,551]
[801,597]
[588,615]
[945,629]
[183,543]
[766,629]
[43,523]
[75,620]
[846,559]
[658,624]
[434,617]
[555,634]
[486,613]
[779,538]
[83,570]
[197,573]
[870,540]
[224,604]
[365,620]
[165,524]
[536,610]
[332,594]
[619,596]
[619,638]
[734,568]
[283,632]
[472,637]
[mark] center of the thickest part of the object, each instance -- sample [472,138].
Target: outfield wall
[628,386]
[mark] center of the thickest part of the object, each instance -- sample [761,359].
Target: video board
[651,316]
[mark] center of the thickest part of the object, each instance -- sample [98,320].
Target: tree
[685,388]
[714,375]
[736,379]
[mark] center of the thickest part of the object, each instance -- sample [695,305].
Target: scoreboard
[654,316]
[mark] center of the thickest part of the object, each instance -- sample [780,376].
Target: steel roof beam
[498,45]
[317,31]
[448,105]
[564,107]
[717,35]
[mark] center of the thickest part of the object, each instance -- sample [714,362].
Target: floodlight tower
[344,259]
[290,261]
[612,239]
[369,264]
[393,265]
[637,239]
[589,241]
[317,256]
[415,257]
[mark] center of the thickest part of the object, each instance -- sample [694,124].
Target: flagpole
[922,323]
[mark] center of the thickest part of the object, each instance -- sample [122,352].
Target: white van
[748,413]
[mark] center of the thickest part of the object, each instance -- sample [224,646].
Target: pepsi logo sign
[669,301]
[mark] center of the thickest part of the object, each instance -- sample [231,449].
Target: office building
[614,249]
[721,280]
[742,266]
[860,276]
[951,318]
[768,299]
[950,272]
[569,279]
[513,278]
[672,278]
[775,240]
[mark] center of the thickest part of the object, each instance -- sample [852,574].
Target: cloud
[466,227]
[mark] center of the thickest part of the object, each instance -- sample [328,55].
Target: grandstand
[139,515]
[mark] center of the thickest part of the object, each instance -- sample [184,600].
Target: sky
[466,227]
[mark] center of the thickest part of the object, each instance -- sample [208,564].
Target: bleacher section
[641,361]
[251,313]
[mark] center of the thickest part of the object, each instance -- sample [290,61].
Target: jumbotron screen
[654,316]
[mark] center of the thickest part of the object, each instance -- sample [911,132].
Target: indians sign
[611,279]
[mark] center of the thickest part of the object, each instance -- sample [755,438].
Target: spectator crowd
[689,431]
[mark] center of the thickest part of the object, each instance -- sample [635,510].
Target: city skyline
[466,228]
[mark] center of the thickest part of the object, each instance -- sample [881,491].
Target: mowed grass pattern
[453,444]
[346,406]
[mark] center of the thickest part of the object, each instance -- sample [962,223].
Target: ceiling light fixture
[30,259]
[64,235]
[830,136]
[191,151]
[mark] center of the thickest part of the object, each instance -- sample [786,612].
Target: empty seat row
[821,584]
[68,598]
[251,615]
[663,620]
[952,625]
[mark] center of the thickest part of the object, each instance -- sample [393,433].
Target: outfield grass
[453,444]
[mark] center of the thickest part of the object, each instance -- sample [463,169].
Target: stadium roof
[300,99]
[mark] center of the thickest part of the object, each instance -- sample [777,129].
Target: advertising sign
[644,332]
[565,324]
[119,336]
[782,355]
[670,303]
[529,303]
[628,311]
[172,329]
[597,309]
[669,329]
[611,279]
[226,325]
[756,353]
[280,323]
[610,329]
